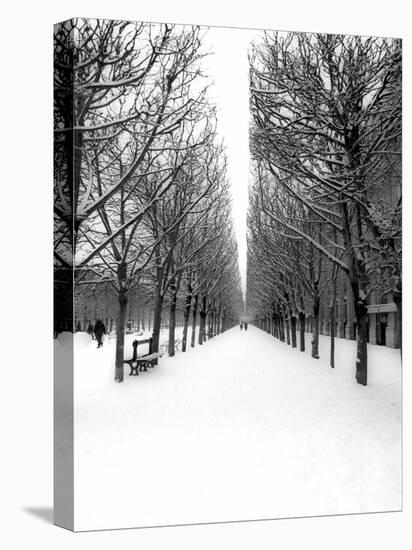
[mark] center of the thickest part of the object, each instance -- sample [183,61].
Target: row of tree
[141,195]
[325,201]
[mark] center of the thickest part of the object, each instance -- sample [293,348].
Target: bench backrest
[147,341]
[141,342]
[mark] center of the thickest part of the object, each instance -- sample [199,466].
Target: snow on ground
[243,427]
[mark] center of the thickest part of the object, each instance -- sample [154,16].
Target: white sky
[227,66]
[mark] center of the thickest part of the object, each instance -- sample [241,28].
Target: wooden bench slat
[152,356]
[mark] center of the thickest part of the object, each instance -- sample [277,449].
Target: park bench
[165,347]
[140,363]
[112,335]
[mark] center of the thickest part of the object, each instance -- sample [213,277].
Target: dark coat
[99,328]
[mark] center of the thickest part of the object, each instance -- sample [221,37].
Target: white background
[26,274]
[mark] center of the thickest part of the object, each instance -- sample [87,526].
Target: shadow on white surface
[44,513]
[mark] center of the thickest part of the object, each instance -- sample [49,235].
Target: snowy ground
[243,427]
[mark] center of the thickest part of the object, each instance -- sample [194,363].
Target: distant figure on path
[241,326]
[90,330]
[245,326]
[99,330]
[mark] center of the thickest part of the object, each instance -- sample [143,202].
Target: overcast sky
[228,68]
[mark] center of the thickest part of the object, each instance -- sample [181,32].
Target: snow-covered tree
[327,124]
[121,89]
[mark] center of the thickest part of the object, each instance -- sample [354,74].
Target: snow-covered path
[243,427]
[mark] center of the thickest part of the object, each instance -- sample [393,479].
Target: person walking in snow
[241,326]
[245,326]
[99,330]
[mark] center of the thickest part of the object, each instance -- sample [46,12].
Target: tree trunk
[361,311]
[63,300]
[202,321]
[315,327]
[194,318]
[201,325]
[287,329]
[119,368]
[218,321]
[277,327]
[157,320]
[224,322]
[293,330]
[172,320]
[210,324]
[332,335]
[302,320]
[186,315]
[281,327]
[358,281]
